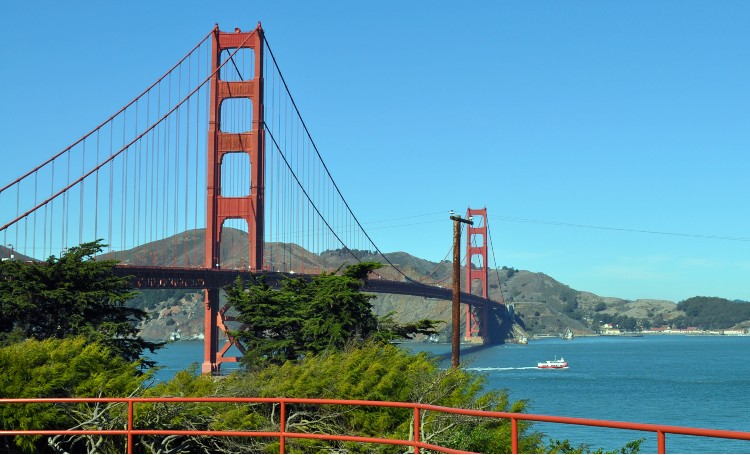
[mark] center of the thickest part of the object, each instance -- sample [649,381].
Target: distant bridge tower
[476,270]
[235,126]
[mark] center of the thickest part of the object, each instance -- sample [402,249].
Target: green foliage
[306,317]
[390,330]
[509,271]
[565,446]
[189,416]
[383,372]
[56,368]
[372,371]
[70,295]
[711,313]
[570,306]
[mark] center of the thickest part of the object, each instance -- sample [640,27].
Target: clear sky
[608,140]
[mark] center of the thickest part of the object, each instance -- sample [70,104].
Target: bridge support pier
[210,332]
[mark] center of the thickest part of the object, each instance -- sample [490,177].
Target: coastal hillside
[541,305]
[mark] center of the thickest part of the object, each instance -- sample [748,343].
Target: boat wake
[501,368]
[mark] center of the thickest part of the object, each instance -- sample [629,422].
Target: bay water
[693,381]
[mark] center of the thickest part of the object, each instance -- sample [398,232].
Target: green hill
[542,305]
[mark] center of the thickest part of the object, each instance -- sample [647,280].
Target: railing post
[661,442]
[130,425]
[416,429]
[282,422]
[513,435]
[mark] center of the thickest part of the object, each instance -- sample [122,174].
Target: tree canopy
[309,316]
[711,313]
[68,296]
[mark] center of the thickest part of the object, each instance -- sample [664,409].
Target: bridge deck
[145,277]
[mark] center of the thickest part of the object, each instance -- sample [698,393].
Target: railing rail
[660,430]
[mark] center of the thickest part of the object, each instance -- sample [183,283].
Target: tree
[273,326]
[54,368]
[711,313]
[304,316]
[71,295]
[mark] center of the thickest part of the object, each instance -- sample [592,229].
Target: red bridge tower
[476,270]
[224,140]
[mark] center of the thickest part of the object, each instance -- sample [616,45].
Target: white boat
[553,364]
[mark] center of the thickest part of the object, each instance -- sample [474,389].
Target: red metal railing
[660,430]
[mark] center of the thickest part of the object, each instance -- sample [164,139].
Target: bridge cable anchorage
[325,167]
[116,154]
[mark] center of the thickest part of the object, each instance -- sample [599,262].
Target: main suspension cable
[325,167]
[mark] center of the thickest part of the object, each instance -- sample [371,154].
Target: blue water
[695,381]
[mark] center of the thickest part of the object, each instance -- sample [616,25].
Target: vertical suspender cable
[124,184]
[52,210]
[168,148]
[177,170]
[152,165]
[110,167]
[81,202]
[279,191]
[195,180]
[185,257]
[96,193]
[65,222]
[36,201]
[18,212]
[137,190]
[163,197]
[494,260]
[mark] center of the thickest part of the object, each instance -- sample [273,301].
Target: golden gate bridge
[215,165]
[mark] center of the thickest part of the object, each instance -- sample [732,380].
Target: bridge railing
[282,434]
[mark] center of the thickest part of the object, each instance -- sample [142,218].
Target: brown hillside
[541,304]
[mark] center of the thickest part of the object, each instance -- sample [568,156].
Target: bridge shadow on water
[499,326]
[465,352]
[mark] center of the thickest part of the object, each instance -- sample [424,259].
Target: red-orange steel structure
[476,248]
[220,208]
[130,431]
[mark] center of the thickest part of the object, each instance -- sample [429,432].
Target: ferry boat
[553,364]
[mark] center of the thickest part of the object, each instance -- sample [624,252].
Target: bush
[56,368]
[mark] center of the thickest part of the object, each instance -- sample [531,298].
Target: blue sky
[562,118]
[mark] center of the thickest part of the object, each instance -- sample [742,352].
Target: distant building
[662,329]
[608,329]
